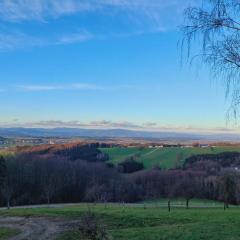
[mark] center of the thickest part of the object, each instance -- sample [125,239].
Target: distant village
[104,143]
[29,141]
[194,145]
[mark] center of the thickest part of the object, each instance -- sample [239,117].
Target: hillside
[167,157]
[77,173]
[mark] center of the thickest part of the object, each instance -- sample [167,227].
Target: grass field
[133,222]
[6,153]
[7,232]
[163,157]
[195,203]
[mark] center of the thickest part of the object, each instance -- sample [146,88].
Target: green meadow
[135,222]
[6,153]
[167,157]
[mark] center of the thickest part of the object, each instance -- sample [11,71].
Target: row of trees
[33,179]
[189,184]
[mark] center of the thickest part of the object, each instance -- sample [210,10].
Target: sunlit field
[163,157]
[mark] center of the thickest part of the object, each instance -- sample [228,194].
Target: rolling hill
[167,157]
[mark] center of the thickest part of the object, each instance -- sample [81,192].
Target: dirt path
[149,153]
[37,228]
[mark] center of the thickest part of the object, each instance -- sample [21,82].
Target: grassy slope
[164,157]
[158,224]
[6,153]
[137,223]
[7,232]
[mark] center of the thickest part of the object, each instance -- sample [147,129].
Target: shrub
[130,166]
[91,228]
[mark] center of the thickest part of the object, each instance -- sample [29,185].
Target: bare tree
[9,183]
[97,193]
[170,188]
[2,169]
[7,192]
[50,187]
[92,228]
[228,187]
[216,24]
[187,186]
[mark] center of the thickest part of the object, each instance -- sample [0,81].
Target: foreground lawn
[158,224]
[7,232]
[180,202]
[133,222]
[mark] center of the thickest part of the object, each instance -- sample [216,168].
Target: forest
[81,173]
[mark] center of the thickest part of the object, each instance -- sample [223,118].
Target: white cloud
[101,124]
[107,124]
[75,37]
[22,10]
[17,39]
[145,16]
[76,86]
[11,40]
[85,86]
[38,88]
[73,86]
[150,124]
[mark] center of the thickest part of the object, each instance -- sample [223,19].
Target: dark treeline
[130,165]
[222,160]
[58,177]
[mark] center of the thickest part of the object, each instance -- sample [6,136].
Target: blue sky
[102,63]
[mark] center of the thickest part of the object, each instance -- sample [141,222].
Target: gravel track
[41,228]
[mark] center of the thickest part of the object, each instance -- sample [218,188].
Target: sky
[103,64]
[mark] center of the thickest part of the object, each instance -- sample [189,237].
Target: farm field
[6,153]
[167,157]
[133,222]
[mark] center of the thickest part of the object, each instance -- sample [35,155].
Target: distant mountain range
[114,133]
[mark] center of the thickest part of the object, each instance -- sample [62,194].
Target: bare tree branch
[217,25]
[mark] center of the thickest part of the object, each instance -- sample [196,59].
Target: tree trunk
[8,204]
[123,206]
[169,206]
[48,201]
[187,203]
[225,205]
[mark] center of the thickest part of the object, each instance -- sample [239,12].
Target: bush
[91,228]
[130,166]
